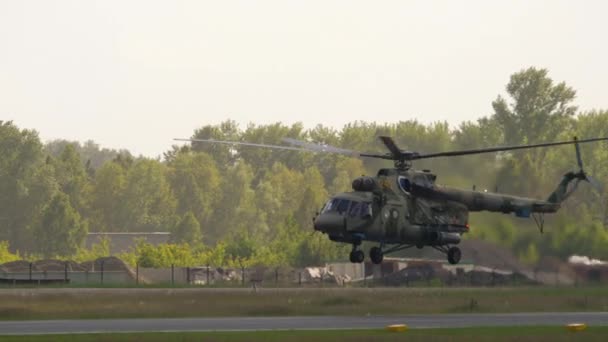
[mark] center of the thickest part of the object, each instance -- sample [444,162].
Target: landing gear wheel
[375,253]
[357,256]
[454,255]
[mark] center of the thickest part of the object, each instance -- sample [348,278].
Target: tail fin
[562,192]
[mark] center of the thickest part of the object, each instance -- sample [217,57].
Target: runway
[302,323]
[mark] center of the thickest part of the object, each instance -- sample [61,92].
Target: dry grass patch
[21,304]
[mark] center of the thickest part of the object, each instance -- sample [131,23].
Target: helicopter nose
[329,223]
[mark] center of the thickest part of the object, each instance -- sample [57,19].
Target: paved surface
[283,323]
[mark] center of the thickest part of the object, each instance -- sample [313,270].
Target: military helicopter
[401,207]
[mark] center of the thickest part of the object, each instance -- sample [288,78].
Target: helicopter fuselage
[383,209]
[406,208]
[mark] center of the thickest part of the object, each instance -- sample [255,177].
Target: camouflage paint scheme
[415,213]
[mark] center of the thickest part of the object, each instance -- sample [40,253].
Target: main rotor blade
[390,144]
[500,149]
[321,147]
[228,142]
[332,149]
[305,146]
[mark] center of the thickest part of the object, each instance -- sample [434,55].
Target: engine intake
[365,183]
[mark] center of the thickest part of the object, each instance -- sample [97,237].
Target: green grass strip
[451,334]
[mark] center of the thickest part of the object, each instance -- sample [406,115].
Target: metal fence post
[276,276]
[137,273]
[243,276]
[101,275]
[65,272]
[299,278]
[207,283]
[30,271]
[172,274]
[188,275]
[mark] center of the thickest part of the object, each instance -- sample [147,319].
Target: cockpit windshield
[346,207]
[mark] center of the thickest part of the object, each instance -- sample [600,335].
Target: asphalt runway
[301,323]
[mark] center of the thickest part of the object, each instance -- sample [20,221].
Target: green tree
[96,251]
[5,254]
[195,181]
[279,195]
[263,160]
[187,231]
[313,198]
[165,255]
[72,178]
[223,154]
[238,210]
[539,110]
[240,246]
[90,152]
[27,184]
[317,250]
[149,204]
[62,230]
[107,197]
[349,169]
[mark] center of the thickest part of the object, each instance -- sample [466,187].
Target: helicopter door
[422,211]
[390,218]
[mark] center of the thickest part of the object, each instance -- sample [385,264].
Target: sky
[136,74]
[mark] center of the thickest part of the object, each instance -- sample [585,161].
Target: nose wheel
[357,256]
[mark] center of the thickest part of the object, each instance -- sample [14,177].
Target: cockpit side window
[337,204]
[354,209]
[347,207]
[330,205]
[405,184]
[342,207]
[366,210]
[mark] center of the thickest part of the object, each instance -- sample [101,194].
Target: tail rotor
[581,173]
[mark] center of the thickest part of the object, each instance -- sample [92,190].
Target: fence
[338,274]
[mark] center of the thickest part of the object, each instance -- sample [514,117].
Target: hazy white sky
[135,74]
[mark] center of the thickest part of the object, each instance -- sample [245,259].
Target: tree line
[251,205]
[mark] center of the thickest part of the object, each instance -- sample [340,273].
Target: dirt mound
[52,265]
[17,266]
[53,269]
[108,264]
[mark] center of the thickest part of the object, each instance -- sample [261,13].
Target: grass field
[457,334]
[20,304]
